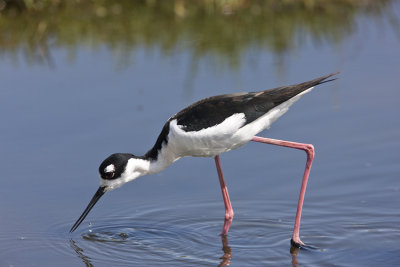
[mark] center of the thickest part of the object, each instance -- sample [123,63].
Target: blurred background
[80,80]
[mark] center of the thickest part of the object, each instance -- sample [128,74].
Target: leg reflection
[226,258]
[294,250]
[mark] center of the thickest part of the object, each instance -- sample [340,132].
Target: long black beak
[94,200]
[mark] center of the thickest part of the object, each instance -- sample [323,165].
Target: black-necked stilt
[208,128]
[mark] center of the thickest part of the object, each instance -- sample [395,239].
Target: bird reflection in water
[294,251]
[226,258]
[80,253]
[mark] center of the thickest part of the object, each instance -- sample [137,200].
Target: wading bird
[209,128]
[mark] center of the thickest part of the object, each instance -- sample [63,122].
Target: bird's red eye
[109,175]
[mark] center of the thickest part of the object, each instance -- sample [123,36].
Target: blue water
[60,121]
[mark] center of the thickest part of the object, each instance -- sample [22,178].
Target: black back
[214,110]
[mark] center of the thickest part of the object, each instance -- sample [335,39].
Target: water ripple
[162,236]
[188,234]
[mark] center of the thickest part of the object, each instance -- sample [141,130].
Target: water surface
[62,116]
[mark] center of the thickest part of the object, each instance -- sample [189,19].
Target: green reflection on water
[220,30]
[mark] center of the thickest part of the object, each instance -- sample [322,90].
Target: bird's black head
[114,172]
[113,166]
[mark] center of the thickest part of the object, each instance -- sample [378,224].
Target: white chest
[207,142]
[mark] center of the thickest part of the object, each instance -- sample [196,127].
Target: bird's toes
[301,245]
[297,244]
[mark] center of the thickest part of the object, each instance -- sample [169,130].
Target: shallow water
[60,121]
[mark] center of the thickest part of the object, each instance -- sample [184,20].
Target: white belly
[207,142]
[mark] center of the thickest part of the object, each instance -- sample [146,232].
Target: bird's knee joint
[229,215]
[309,148]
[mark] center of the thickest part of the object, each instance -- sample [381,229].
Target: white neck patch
[134,169]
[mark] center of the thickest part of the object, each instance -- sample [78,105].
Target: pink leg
[309,149]
[225,195]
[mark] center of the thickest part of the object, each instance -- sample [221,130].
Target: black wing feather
[214,110]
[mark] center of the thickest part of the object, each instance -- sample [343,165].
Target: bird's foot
[300,245]
[297,244]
